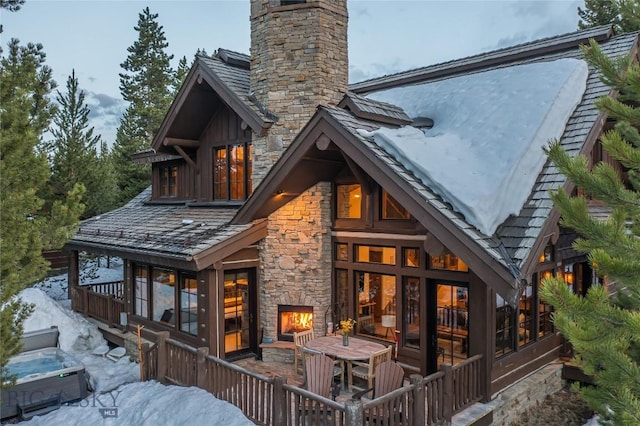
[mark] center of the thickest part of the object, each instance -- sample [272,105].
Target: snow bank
[76,333]
[79,338]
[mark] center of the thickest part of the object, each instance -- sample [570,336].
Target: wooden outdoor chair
[299,339]
[388,377]
[319,372]
[366,370]
[338,370]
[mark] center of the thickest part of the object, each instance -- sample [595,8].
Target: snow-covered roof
[484,151]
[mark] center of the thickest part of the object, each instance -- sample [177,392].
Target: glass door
[452,323]
[240,333]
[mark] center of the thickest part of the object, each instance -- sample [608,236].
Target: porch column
[482,330]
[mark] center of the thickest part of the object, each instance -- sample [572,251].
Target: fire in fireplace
[293,318]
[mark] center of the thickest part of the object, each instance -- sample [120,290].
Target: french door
[240,331]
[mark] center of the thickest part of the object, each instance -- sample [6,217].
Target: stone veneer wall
[295,259]
[299,60]
[533,389]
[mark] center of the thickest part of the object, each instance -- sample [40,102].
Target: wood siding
[224,128]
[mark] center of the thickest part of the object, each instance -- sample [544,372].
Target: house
[416,203]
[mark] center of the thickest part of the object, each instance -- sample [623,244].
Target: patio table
[358,350]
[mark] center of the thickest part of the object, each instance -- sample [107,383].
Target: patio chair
[338,370]
[319,374]
[388,377]
[299,339]
[366,370]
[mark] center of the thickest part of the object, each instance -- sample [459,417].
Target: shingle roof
[517,234]
[175,231]
[374,110]
[236,79]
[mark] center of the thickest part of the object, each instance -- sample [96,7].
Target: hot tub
[46,378]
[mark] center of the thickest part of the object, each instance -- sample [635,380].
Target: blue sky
[384,36]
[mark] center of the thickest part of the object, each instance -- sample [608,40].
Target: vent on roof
[422,122]
[233,58]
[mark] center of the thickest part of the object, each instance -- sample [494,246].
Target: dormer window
[169,181]
[232,172]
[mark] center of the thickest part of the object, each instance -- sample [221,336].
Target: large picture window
[232,172]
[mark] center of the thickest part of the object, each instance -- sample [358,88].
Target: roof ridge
[481,60]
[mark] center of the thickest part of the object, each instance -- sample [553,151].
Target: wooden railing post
[448,391]
[85,301]
[162,355]
[353,412]
[202,376]
[144,362]
[110,311]
[279,401]
[418,399]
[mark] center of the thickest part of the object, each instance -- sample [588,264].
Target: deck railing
[101,301]
[427,400]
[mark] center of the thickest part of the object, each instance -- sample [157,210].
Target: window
[525,319]
[376,313]
[505,316]
[411,296]
[164,282]
[342,251]
[391,209]
[349,201]
[232,172]
[545,324]
[189,305]
[141,306]
[449,262]
[168,181]
[411,257]
[452,321]
[375,254]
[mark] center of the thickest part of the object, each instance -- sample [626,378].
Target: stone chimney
[299,60]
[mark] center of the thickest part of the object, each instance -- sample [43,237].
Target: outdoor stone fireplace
[292,319]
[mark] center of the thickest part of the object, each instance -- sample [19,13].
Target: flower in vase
[346,326]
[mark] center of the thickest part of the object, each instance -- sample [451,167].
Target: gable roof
[226,76]
[499,260]
[175,235]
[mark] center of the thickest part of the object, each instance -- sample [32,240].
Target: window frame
[224,186]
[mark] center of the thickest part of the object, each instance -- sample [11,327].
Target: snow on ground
[119,397]
[146,403]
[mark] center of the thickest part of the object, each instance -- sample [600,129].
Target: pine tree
[181,74]
[148,85]
[73,151]
[25,226]
[624,15]
[604,329]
